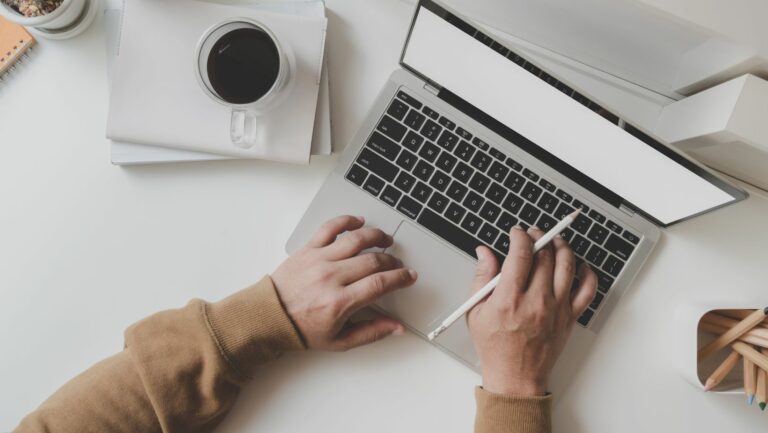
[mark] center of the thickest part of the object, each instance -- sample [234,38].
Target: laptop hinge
[627,210]
[431,89]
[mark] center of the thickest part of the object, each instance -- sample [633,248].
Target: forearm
[180,371]
[498,413]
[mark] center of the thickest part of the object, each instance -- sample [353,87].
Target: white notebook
[156,99]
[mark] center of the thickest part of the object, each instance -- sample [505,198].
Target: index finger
[516,267]
[330,229]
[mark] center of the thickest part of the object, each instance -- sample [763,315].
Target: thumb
[487,267]
[367,332]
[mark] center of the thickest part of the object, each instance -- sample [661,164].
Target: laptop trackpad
[444,281]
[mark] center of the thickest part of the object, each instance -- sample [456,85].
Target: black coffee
[243,65]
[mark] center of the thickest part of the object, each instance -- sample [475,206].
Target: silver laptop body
[422,237]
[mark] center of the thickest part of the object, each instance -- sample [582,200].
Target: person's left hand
[328,280]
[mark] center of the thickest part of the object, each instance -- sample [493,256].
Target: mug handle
[242,128]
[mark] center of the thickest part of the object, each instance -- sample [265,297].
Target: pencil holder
[691,337]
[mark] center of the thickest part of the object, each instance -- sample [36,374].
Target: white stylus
[488,288]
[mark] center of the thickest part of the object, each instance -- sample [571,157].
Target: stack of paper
[159,113]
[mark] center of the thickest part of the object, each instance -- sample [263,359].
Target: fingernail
[361,219]
[399,331]
[413,274]
[517,227]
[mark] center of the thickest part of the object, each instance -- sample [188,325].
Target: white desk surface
[87,248]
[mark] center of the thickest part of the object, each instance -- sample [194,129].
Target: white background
[86,249]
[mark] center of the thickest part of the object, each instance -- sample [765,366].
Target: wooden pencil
[760,392]
[722,370]
[750,379]
[733,333]
[750,353]
[740,314]
[748,337]
[728,322]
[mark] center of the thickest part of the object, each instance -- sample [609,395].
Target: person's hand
[328,280]
[521,328]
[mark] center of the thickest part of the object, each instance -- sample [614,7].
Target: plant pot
[70,19]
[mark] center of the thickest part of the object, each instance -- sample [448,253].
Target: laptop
[469,138]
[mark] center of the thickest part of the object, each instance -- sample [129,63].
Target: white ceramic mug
[241,64]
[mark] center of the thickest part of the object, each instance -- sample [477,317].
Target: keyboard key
[391,195]
[514,182]
[423,170]
[546,222]
[514,165]
[502,244]
[463,172]
[473,201]
[421,192]
[498,171]
[513,203]
[586,317]
[457,191]
[490,212]
[604,281]
[392,129]
[431,130]
[631,237]
[451,233]
[357,174]
[463,133]
[496,153]
[413,141]
[564,196]
[429,152]
[446,123]
[580,245]
[577,204]
[613,266]
[548,203]
[597,300]
[488,233]
[455,212]
[406,160]
[480,143]
[405,181]
[530,175]
[581,224]
[531,192]
[471,223]
[496,193]
[438,202]
[430,112]
[409,207]
[597,216]
[614,227]
[373,185]
[377,164]
[479,182]
[596,255]
[598,234]
[448,140]
[440,181]
[446,162]
[563,210]
[546,185]
[410,100]
[464,150]
[397,109]
[529,214]
[481,161]
[414,120]
[506,222]
[384,146]
[619,247]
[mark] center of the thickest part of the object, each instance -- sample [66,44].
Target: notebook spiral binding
[15,46]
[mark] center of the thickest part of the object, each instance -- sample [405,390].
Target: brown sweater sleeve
[180,371]
[498,413]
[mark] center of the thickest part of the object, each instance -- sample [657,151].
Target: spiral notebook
[15,42]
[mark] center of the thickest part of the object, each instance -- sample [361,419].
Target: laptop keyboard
[469,193]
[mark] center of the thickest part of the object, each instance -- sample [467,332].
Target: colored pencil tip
[762,405]
[750,399]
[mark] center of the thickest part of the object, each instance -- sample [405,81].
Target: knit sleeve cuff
[509,413]
[251,327]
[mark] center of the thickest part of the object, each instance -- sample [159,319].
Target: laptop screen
[557,124]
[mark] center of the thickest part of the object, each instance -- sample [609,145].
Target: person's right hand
[521,328]
[325,282]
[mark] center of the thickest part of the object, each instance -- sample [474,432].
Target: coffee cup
[241,64]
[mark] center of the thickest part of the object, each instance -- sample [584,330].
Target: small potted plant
[53,19]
